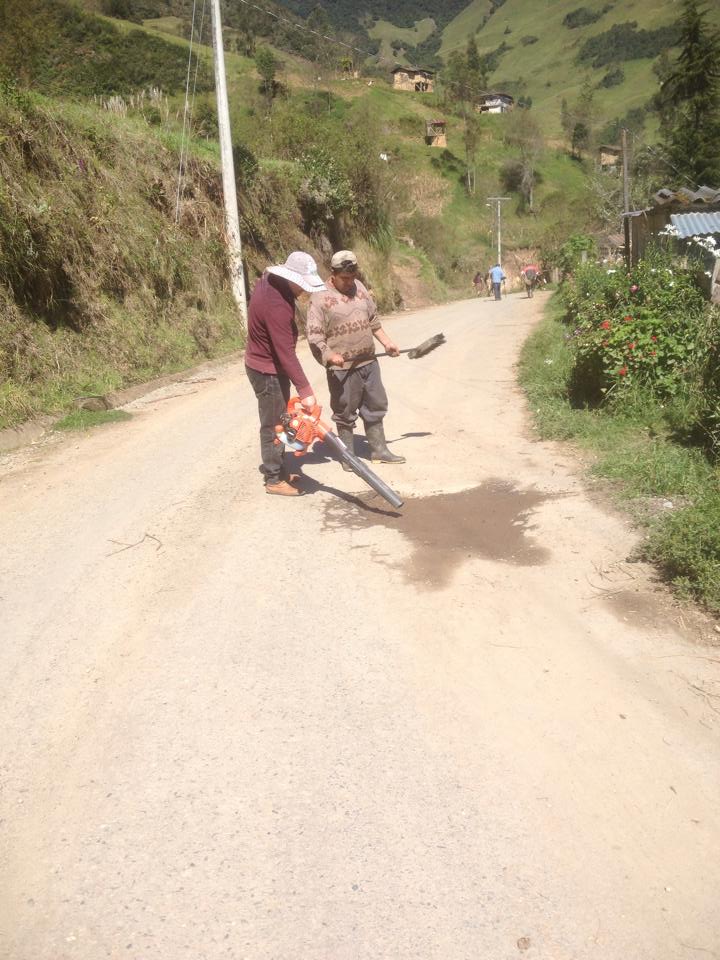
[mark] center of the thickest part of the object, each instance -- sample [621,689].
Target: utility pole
[498,214]
[626,198]
[232,221]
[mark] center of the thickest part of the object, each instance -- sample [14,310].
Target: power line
[185,140]
[302,26]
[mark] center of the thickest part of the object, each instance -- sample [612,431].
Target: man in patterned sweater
[341,325]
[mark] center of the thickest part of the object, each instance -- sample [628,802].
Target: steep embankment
[98,285]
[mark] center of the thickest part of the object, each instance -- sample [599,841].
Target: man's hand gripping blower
[300,428]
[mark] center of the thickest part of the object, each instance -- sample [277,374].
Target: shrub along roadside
[640,446]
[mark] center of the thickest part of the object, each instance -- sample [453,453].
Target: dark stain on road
[640,608]
[445,529]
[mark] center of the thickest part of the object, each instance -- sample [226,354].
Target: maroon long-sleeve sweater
[272,332]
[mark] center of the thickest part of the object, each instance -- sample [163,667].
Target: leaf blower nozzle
[300,428]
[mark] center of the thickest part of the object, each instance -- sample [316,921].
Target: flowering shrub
[639,328]
[709,386]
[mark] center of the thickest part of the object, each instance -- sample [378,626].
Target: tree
[577,120]
[689,100]
[472,56]
[266,65]
[524,134]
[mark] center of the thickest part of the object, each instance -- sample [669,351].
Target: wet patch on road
[446,529]
[640,609]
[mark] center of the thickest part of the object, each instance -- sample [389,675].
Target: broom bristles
[426,346]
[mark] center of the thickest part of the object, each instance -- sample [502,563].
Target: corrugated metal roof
[695,224]
[683,195]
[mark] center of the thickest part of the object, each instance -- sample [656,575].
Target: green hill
[549,58]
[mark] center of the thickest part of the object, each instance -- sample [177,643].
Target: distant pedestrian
[480,284]
[497,279]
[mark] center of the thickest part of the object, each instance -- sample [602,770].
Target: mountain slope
[545,58]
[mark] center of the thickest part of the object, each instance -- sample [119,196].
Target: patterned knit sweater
[343,324]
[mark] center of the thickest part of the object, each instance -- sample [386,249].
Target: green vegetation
[98,286]
[650,445]
[85,419]
[624,41]
[582,17]
[545,70]
[57,49]
[636,329]
[689,100]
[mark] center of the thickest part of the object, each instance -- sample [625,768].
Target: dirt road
[239,726]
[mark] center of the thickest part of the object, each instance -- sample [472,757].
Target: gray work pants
[357,391]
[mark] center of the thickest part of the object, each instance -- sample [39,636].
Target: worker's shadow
[311,486]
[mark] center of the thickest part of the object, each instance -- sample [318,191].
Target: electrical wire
[185,137]
[300,26]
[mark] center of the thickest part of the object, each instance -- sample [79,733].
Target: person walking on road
[341,325]
[479,284]
[271,362]
[497,278]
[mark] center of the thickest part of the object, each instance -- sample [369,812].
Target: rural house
[494,103]
[414,79]
[436,133]
[682,215]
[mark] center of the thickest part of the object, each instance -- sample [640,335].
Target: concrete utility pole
[498,214]
[232,221]
[626,198]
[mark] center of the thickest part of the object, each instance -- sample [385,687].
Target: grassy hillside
[57,48]
[98,285]
[547,69]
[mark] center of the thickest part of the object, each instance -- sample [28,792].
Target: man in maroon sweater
[271,362]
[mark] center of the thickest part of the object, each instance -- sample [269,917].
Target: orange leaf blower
[300,428]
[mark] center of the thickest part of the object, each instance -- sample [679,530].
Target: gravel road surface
[240,726]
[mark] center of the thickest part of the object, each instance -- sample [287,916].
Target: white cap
[344,259]
[300,268]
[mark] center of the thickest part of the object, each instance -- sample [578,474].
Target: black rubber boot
[346,435]
[379,453]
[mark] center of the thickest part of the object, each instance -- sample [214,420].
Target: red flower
[653,338]
[605,325]
[622,371]
[627,319]
[632,346]
[634,288]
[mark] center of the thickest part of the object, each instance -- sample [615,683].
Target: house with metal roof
[494,103]
[678,217]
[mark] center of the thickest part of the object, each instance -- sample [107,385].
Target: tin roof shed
[695,224]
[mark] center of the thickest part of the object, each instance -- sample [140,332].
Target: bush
[633,329]
[624,41]
[613,78]
[686,546]
[582,17]
[708,413]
